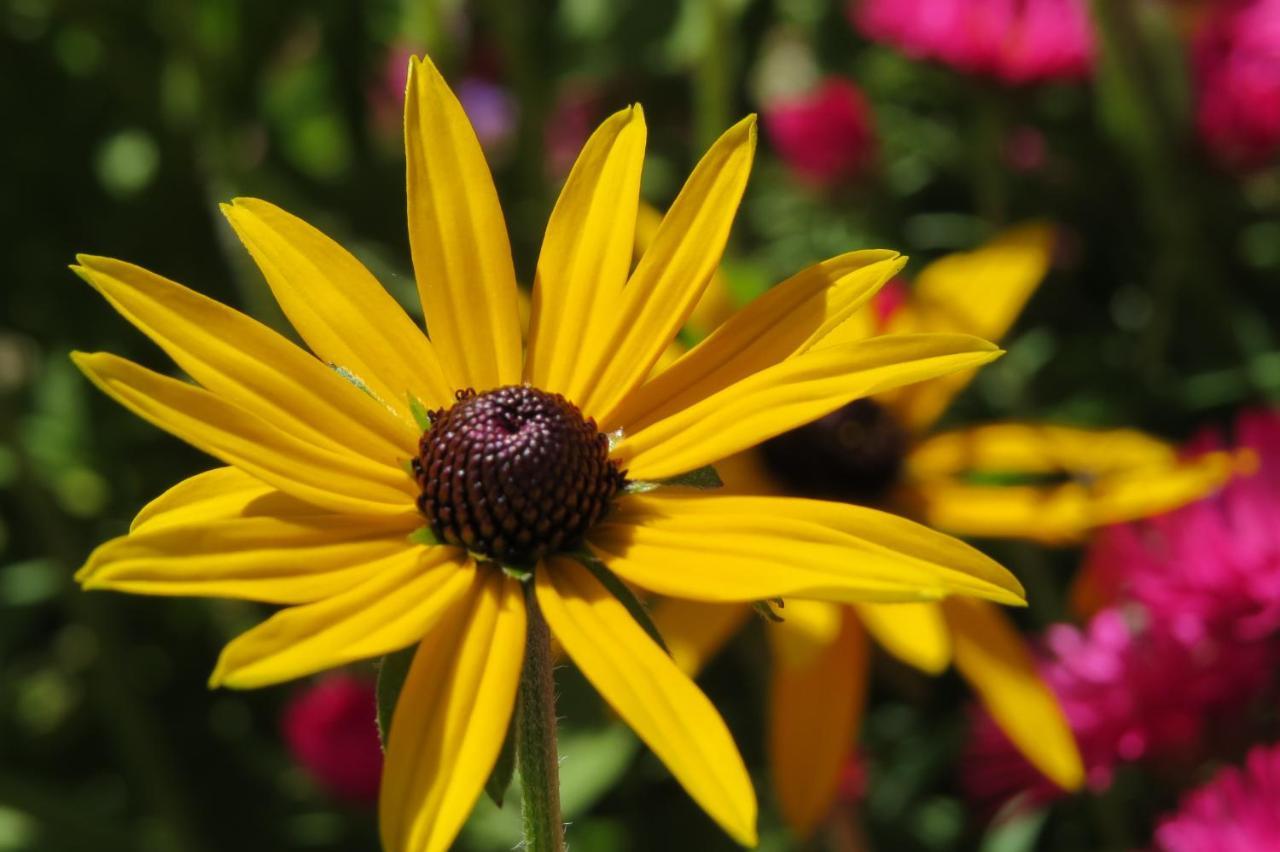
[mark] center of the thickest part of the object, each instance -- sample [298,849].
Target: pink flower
[824,135]
[1210,569]
[1238,811]
[1237,64]
[331,730]
[1131,692]
[1014,41]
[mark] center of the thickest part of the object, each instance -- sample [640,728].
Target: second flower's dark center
[853,455]
[514,474]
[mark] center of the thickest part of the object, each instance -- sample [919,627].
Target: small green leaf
[425,535]
[500,778]
[420,414]
[702,478]
[516,572]
[392,671]
[619,590]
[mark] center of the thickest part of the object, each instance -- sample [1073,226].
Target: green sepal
[354,379]
[619,590]
[765,609]
[704,478]
[425,535]
[500,778]
[392,670]
[419,411]
[518,572]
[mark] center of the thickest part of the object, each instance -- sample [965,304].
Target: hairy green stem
[536,738]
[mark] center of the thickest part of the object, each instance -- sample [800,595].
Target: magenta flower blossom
[1014,41]
[1238,811]
[1237,64]
[1131,692]
[1189,634]
[330,728]
[824,135]
[1212,568]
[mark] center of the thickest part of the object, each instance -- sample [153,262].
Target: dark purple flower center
[514,474]
[853,455]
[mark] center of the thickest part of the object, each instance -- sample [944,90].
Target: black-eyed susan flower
[457,490]
[1044,482]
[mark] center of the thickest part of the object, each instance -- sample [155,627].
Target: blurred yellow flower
[1047,483]
[452,490]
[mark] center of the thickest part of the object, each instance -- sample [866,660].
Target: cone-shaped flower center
[853,455]
[514,474]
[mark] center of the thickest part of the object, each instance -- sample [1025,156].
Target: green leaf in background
[1016,832]
[392,671]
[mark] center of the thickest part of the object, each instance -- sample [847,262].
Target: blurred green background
[127,121]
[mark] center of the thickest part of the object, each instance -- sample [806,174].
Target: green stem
[536,738]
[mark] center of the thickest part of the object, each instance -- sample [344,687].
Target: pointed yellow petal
[223,492]
[716,304]
[694,632]
[248,364]
[816,709]
[979,292]
[339,308]
[451,718]
[791,394]
[391,609]
[786,321]
[674,271]
[917,634]
[990,654]
[261,558]
[724,549]
[458,238]
[224,534]
[586,255]
[650,693]
[341,482]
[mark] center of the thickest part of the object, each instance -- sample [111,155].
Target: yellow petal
[1114,476]
[816,709]
[747,473]
[223,492]
[223,533]
[339,308]
[716,304]
[917,634]
[458,238]
[585,258]
[979,292]
[261,557]
[391,609]
[643,686]
[786,321]
[248,364]
[673,273]
[694,632]
[990,654]
[729,548]
[1037,448]
[451,718]
[333,480]
[788,395]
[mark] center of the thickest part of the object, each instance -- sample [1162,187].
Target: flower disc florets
[853,455]
[514,474]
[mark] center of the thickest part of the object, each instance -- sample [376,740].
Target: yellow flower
[1043,482]
[377,531]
